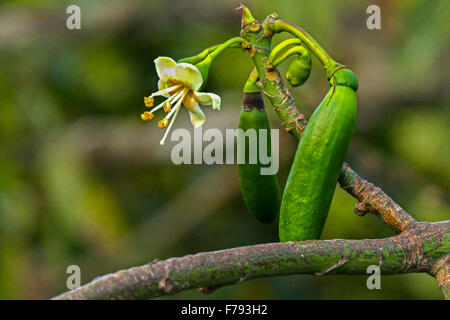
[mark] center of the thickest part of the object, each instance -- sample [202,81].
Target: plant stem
[300,50]
[370,198]
[204,65]
[250,85]
[231,43]
[373,199]
[281,46]
[325,59]
[393,255]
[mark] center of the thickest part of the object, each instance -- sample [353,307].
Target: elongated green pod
[318,160]
[261,193]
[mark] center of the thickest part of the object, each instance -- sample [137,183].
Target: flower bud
[299,70]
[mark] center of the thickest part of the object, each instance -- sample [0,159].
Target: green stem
[325,59]
[232,43]
[281,46]
[199,57]
[300,50]
[250,85]
[272,86]
[204,65]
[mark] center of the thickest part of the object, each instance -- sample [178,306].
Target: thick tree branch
[415,250]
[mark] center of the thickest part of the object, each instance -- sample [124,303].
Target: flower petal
[208,99]
[197,115]
[198,118]
[165,67]
[163,85]
[189,75]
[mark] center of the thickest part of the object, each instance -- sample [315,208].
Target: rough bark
[416,250]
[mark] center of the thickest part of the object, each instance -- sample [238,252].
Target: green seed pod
[318,161]
[261,193]
[299,70]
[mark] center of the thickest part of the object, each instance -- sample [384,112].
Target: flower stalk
[324,58]
[300,50]
[204,65]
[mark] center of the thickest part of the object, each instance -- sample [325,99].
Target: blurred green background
[84,181]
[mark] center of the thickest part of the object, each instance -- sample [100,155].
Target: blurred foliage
[84,182]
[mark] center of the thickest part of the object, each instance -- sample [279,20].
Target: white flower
[179,83]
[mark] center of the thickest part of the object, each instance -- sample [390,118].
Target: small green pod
[261,193]
[320,154]
[299,70]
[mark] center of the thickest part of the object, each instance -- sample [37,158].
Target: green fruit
[318,160]
[261,193]
[299,70]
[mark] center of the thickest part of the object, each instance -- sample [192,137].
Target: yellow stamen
[167,106]
[148,101]
[163,123]
[170,126]
[147,116]
[175,97]
[178,103]
[174,112]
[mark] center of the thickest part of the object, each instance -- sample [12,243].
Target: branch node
[361,209]
[441,272]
